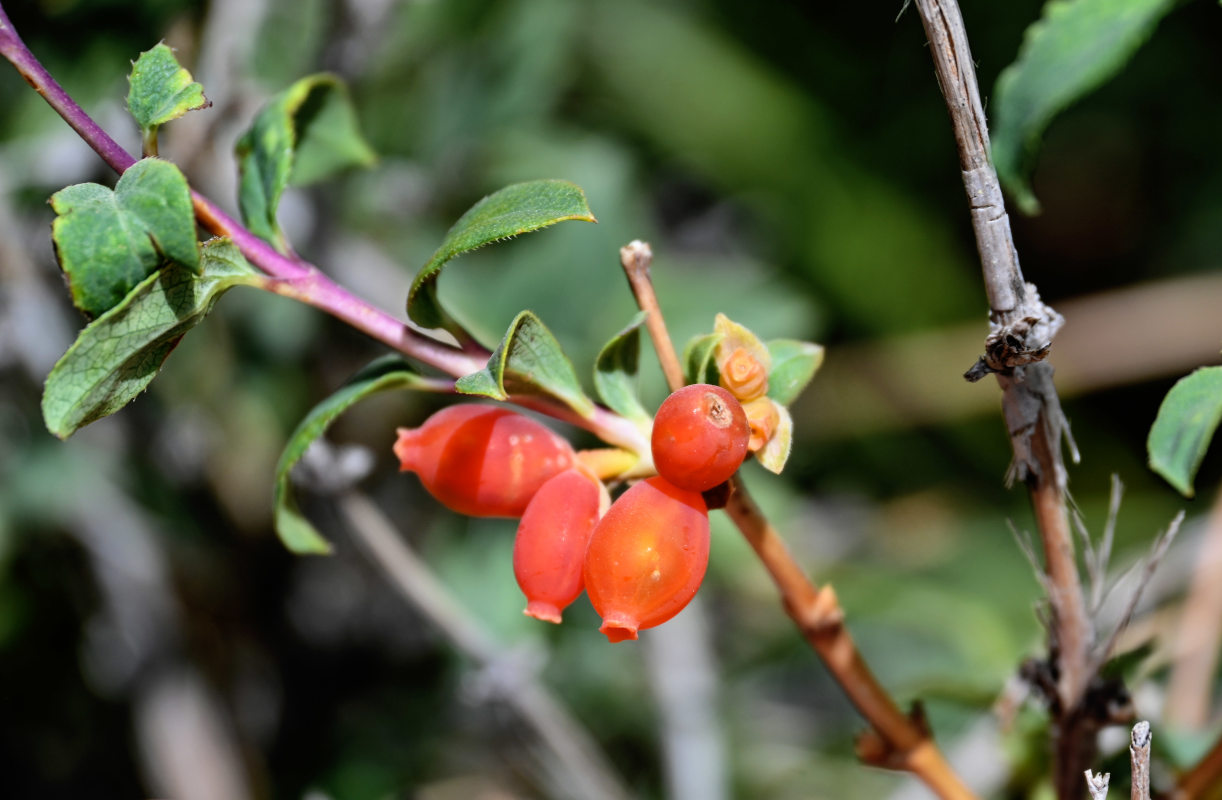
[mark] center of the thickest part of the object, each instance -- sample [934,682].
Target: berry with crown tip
[482,461]
[550,547]
[646,557]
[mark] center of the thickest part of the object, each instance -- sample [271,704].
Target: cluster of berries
[641,558]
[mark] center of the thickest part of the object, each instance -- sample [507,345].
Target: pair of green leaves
[134,263]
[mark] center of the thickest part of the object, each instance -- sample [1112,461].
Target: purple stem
[309,284]
[296,278]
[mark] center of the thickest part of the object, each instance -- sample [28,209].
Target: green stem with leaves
[298,279]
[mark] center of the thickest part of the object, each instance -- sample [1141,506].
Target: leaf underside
[116,356]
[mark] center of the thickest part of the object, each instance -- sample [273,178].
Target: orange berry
[743,375]
[482,461]
[550,548]
[647,557]
[700,437]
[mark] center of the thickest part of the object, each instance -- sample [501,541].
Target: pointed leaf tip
[161,90]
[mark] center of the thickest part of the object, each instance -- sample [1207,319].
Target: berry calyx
[646,557]
[550,548]
[482,461]
[700,437]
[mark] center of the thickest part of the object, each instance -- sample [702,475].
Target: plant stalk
[1021,333]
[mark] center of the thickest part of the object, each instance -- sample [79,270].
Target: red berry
[647,557]
[481,460]
[700,437]
[551,544]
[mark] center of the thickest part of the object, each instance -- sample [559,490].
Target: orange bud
[762,418]
[743,375]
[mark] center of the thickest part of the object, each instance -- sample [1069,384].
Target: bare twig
[1139,755]
[636,258]
[583,770]
[1021,333]
[1190,686]
[1097,784]
[898,740]
[1157,551]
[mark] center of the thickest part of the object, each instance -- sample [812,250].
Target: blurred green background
[792,166]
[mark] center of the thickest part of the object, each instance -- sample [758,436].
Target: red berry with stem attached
[550,548]
[700,437]
[481,460]
[647,557]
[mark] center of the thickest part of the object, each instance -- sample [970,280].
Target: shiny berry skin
[646,557]
[700,437]
[550,548]
[482,461]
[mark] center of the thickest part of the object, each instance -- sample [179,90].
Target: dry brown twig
[1020,336]
[1097,785]
[1139,757]
[897,740]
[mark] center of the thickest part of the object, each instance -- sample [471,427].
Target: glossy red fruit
[482,461]
[647,557]
[700,437]
[550,548]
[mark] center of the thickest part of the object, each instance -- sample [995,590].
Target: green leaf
[306,133]
[295,531]
[116,356]
[161,90]
[519,208]
[528,361]
[700,358]
[794,363]
[109,241]
[615,372]
[1185,424]
[1075,48]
